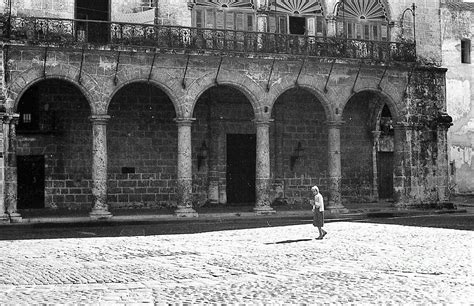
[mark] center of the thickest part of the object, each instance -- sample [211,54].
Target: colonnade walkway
[352,211]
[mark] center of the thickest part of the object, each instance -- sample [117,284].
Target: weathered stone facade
[458,26]
[139,127]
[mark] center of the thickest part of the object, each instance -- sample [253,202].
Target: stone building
[220,102]
[457,32]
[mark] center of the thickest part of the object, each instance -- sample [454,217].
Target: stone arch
[252,91]
[166,89]
[299,138]
[392,105]
[284,87]
[35,75]
[363,176]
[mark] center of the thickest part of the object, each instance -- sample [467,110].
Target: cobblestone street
[358,262]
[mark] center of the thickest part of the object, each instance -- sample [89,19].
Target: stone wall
[299,119]
[220,111]
[356,150]
[424,134]
[142,144]
[65,143]
[457,25]
[105,79]
[41,8]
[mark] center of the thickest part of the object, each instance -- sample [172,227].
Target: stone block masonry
[142,140]
[142,136]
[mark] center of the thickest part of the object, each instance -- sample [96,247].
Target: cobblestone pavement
[358,262]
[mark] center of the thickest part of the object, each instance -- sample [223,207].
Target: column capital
[376,135]
[9,118]
[99,119]
[263,121]
[335,123]
[184,121]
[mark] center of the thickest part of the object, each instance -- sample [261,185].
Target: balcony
[73,32]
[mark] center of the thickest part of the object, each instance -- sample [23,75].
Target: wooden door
[241,156]
[30,181]
[385,174]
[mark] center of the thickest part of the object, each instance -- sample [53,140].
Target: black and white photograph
[244,152]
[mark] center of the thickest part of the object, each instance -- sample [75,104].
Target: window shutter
[375,29]
[350,30]
[310,26]
[384,32]
[219,20]
[319,25]
[210,19]
[229,21]
[366,32]
[359,30]
[272,24]
[282,28]
[250,23]
[239,22]
[199,18]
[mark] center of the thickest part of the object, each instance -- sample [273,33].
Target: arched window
[386,122]
[301,17]
[362,19]
[236,15]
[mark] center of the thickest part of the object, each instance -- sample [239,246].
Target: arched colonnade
[108,109]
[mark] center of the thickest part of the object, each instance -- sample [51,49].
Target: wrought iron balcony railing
[34,30]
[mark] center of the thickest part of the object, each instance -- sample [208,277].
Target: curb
[219,217]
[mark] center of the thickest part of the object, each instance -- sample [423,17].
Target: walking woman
[318,212]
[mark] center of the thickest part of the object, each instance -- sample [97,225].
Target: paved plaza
[357,263]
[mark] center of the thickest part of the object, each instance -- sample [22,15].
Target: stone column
[11,177]
[262,171]
[334,167]
[443,163]
[402,164]
[3,153]
[100,209]
[213,188]
[375,183]
[184,179]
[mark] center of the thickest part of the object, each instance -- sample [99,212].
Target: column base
[185,212]
[4,218]
[15,218]
[264,210]
[100,214]
[336,209]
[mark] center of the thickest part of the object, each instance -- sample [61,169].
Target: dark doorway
[241,155]
[30,181]
[98,10]
[385,174]
[297,25]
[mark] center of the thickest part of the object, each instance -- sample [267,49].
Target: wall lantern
[297,154]
[202,154]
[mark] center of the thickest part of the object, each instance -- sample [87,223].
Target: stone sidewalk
[353,211]
[357,263]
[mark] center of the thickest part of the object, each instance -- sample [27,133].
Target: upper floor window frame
[281,24]
[224,17]
[285,17]
[465,51]
[362,20]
